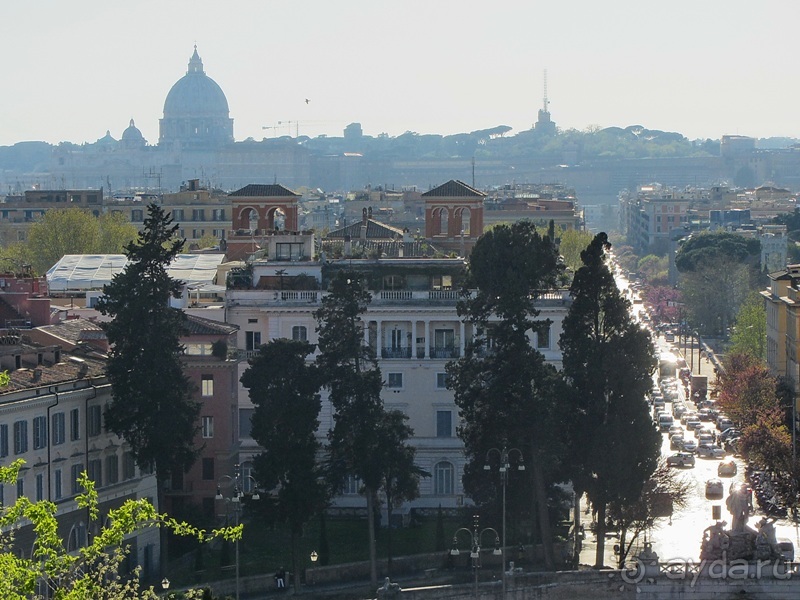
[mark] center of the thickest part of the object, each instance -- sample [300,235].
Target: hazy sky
[705,68]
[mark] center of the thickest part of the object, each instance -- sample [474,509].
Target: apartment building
[411,324]
[51,416]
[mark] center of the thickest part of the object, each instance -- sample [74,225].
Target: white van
[665,422]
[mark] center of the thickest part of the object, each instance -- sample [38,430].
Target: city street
[680,537]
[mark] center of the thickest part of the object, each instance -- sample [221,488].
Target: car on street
[727,469]
[704,439]
[676,428]
[665,421]
[714,489]
[689,445]
[693,423]
[681,459]
[710,451]
[729,433]
[676,441]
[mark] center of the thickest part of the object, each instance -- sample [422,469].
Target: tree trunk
[373,559]
[577,542]
[389,537]
[623,551]
[163,532]
[544,516]
[295,570]
[600,555]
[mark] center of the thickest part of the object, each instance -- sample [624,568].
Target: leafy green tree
[723,262]
[750,334]
[350,372]
[284,389]
[400,475]
[75,231]
[654,269]
[572,243]
[115,233]
[608,361]
[95,570]
[152,406]
[505,391]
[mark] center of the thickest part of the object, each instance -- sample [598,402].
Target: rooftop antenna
[546,101]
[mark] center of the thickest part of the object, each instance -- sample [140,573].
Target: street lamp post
[236,480]
[505,465]
[475,535]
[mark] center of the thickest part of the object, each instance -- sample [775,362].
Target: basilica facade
[195,142]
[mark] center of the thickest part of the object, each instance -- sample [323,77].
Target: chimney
[36,375]
[369,213]
[363,216]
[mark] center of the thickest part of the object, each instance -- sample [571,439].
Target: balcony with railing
[395,352]
[444,352]
[255,297]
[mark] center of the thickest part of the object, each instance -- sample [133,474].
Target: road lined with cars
[701,442]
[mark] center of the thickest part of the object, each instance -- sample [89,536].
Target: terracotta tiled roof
[62,372]
[264,190]
[375,230]
[453,189]
[195,325]
[75,330]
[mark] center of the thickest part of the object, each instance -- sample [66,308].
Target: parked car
[786,548]
[729,433]
[705,439]
[710,451]
[727,469]
[681,459]
[689,445]
[714,489]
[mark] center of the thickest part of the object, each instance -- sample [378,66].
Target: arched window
[443,478]
[77,537]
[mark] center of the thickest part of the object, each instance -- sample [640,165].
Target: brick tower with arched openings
[454,216]
[258,211]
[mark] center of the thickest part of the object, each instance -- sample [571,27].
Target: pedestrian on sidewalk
[280,578]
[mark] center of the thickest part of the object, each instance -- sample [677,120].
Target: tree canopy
[704,248]
[364,443]
[95,570]
[152,407]
[505,391]
[750,332]
[284,389]
[74,231]
[608,361]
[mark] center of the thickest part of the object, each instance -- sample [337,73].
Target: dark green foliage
[152,406]
[608,361]
[284,388]
[441,541]
[704,248]
[366,441]
[219,349]
[324,554]
[505,391]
